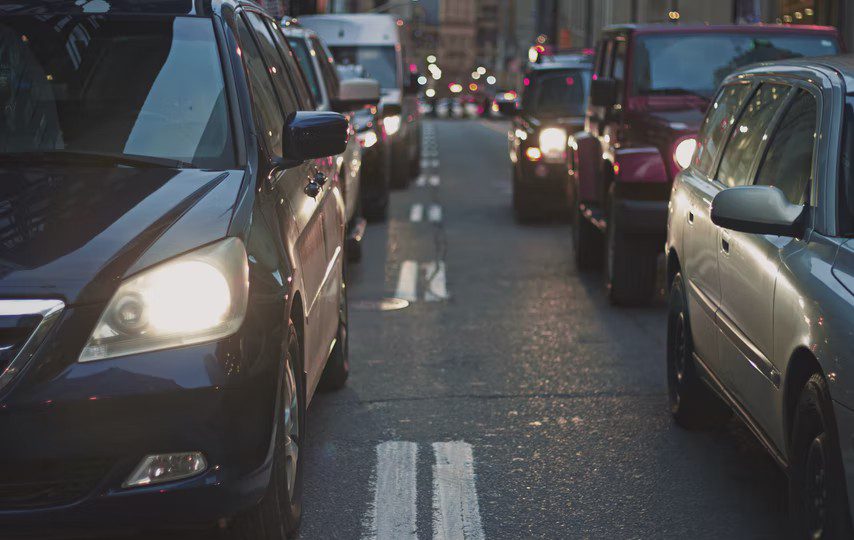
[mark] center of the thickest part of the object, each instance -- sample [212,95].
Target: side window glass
[719,118]
[297,77]
[327,66]
[265,106]
[273,60]
[619,68]
[300,49]
[788,162]
[748,132]
[608,57]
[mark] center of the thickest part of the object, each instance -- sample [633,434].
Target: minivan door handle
[690,217]
[725,245]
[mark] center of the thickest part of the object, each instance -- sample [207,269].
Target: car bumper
[544,184]
[643,217]
[91,424]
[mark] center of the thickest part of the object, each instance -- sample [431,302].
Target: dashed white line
[433,180]
[421,181]
[435,213]
[437,287]
[416,213]
[393,515]
[407,282]
[456,513]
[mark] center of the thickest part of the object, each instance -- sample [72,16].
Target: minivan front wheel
[692,403]
[818,502]
[337,368]
[278,514]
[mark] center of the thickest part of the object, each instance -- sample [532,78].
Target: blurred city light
[473,87]
[475,75]
[490,79]
[430,92]
[431,58]
[422,80]
[456,88]
[481,70]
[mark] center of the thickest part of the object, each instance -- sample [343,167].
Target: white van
[374,41]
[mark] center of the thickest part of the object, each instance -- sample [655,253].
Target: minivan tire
[278,514]
[692,403]
[631,264]
[818,502]
[337,368]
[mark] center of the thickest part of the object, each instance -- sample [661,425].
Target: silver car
[761,273]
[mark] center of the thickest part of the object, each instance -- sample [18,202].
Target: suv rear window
[557,92]
[146,87]
[697,63]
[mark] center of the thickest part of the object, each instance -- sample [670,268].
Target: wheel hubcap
[678,336]
[291,429]
[815,487]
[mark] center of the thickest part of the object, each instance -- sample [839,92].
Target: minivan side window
[747,134]
[327,66]
[275,66]
[788,161]
[716,125]
[265,105]
[619,68]
[304,96]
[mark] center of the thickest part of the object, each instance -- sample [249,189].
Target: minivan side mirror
[603,92]
[356,93]
[313,134]
[758,210]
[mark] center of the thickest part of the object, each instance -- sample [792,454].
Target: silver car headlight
[553,144]
[197,297]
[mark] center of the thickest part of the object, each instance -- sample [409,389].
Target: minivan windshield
[695,64]
[558,92]
[134,90]
[378,62]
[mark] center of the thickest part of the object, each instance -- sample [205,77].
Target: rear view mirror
[603,92]
[312,134]
[356,93]
[758,210]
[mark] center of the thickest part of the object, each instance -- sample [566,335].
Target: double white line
[424,180]
[456,513]
[436,288]
[434,213]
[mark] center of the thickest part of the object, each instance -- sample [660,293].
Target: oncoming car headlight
[391,124]
[684,152]
[197,297]
[553,144]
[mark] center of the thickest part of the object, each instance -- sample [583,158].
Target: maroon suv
[650,90]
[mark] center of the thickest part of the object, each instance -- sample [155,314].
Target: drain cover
[383,304]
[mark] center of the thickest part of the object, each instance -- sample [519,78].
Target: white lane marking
[425,163]
[394,513]
[456,514]
[430,154]
[435,213]
[416,213]
[437,287]
[435,164]
[407,281]
[433,180]
[421,181]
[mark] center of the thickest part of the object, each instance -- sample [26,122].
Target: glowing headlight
[684,152]
[553,144]
[198,297]
[391,124]
[367,138]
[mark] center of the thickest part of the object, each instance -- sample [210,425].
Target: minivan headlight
[197,297]
[553,144]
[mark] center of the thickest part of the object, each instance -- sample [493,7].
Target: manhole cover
[383,304]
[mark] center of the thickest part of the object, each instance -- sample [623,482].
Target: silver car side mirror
[758,210]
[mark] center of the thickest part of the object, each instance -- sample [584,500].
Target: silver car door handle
[725,245]
[690,217]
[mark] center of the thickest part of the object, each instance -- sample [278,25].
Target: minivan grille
[35,484]
[23,326]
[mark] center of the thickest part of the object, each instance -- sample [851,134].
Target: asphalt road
[509,400]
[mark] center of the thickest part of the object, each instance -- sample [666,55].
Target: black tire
[278,514]
[586,243]
[818,502]
[631,263]
[692,404]
[337,368]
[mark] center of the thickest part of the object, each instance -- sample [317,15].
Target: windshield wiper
[99,158]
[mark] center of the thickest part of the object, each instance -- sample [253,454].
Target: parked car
[330,93]
[760,264]
[652,84]
[375,180]
[375,42]
[552,106]
[172,292]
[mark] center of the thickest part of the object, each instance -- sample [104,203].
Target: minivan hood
[72,232]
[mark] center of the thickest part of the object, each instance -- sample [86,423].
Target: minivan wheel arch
[802,365]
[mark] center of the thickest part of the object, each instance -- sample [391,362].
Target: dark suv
[171,270]
[552,106]
[652,85]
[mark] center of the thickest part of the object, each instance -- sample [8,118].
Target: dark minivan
[171,270]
